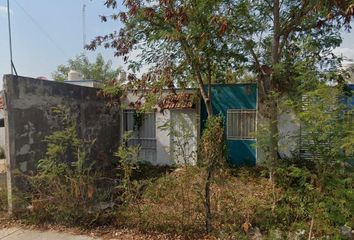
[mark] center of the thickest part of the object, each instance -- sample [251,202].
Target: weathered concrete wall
[29,119]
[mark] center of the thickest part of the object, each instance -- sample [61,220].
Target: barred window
[241,124]
[143,133]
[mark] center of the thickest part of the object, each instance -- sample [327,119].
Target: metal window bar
[241,124]
[145,136]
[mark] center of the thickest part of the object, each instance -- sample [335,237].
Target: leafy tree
[197,42]
[289,43]
[350,73]
[185,43]
[327,177]
[98,70]
[193,43]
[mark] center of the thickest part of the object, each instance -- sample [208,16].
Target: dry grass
[174,203]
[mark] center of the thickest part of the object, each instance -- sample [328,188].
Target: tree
[185,43]
[98,70]
[291,40]
[197,42]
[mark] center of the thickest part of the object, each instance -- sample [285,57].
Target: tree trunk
[273,97]
[311,228]
[273,94]
[196,69]
[208,216]
[273,131]
[207,207]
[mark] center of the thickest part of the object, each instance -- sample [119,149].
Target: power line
[62,51]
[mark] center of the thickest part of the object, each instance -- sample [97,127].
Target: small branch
[268,3]
[258,65]
[311,228]
[197,73]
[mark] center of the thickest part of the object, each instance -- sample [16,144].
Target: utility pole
[10,40]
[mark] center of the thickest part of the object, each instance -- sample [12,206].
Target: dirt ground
[104,233]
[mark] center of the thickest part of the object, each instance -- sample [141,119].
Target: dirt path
[11,229]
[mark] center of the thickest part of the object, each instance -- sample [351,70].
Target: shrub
[66,189]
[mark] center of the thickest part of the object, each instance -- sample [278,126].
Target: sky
[46,33]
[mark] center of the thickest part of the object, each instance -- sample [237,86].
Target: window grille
[143,134]
[241,124]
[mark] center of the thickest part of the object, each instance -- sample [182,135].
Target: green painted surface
[234,96]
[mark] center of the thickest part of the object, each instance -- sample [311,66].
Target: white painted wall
[163,156]
[289,133]
[184,137]
[164,138]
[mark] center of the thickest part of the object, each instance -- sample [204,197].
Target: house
[169,134]
[237,103]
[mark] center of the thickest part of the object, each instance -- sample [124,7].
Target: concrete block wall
[29,119]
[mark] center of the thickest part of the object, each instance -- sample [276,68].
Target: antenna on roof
[84,24]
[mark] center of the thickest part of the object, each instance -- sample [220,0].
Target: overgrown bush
[317,192]
[315,197]
[128,163]
[212,157]
[174,203]
[66,189]
[2,153]
[3,198]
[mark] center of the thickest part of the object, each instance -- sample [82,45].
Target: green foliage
[98,70]
[197,34]
[212,145]
[3,198]
[320,188]
[212,158]
[128,163]
[183,137]
[112,91]
[2,153]
[325,128]
[63,148]
[66,189]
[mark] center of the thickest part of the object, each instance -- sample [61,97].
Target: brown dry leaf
[90,191]
[246,227]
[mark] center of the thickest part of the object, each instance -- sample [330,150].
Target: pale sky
[46,33]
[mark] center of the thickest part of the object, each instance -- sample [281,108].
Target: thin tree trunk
[273,98]
[209,104]
[274,133]
[311,228]
[208,217]
[196,69]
